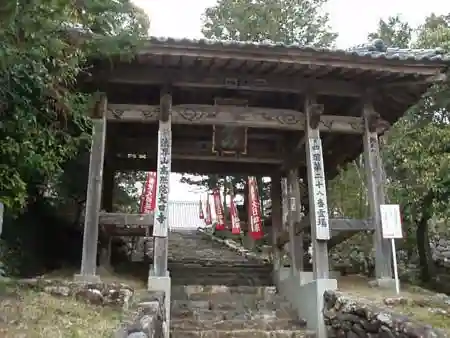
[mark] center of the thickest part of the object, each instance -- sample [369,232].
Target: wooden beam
[260,151]
[252,117]
[113,230]
[211,158]
[202,78]
[125,220]
[204,167]
[337,225]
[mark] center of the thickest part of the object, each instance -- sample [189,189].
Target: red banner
[235,221]
[200,210]
[208,219]
[220,224]
[148,197]
[256,231]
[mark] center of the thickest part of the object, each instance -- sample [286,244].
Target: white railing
[184,215]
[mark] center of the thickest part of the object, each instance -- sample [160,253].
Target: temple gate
[291,113]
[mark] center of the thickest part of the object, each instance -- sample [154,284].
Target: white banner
[160,227]
[319,189]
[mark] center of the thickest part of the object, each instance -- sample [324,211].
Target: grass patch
[26,313]
[421,304]
[424,315]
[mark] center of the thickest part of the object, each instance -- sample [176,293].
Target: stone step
[219,311]
[214,273]
[199,291]
[250,333]
[219,265]
[236,281]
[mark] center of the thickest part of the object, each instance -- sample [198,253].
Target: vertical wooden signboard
[160,227]
[319,190]
[318,208]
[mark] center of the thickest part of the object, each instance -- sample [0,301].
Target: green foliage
[416,150]
[289,21]
[44,129]
[347,193]
[394,32]
[44,45]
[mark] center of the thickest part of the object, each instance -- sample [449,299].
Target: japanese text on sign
[163,175]
[319,189]
[220,225]
[391,221]
[255,210]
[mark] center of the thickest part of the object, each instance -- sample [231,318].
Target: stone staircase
[217,293]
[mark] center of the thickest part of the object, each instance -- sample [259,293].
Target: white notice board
[391,221]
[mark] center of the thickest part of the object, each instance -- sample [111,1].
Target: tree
[394,32]
[44,46]
[417,152]
[289,21]
[45,132]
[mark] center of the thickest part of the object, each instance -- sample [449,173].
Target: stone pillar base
[87,279]
[158,283]
[383,283]
[249,243]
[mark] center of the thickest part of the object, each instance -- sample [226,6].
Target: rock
[57,290]
[92,296]
[138,335]
[114,295]
[145,319]
[393,301]
[345,314]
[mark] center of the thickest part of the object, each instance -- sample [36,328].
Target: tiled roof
[375,49]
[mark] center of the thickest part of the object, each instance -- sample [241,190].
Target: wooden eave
[271,76]
[285,55]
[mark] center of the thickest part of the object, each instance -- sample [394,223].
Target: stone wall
[347,317]
[356,255]
[145,318]
[441,252]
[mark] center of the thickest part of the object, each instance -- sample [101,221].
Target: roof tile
[375,49]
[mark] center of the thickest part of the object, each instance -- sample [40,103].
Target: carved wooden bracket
[375,123]
[99,105]
[315,111]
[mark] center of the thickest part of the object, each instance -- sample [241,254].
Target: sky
[352,19]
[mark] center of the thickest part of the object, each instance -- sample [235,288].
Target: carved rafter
[198,78]
[252,117]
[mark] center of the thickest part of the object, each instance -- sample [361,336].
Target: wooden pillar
[296,216]
[291,222]
[285,203]
[275,192]
[161,222]
[317,193]
[105,256]
[108,188]
[2,209]
[373,167]
[94,192]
